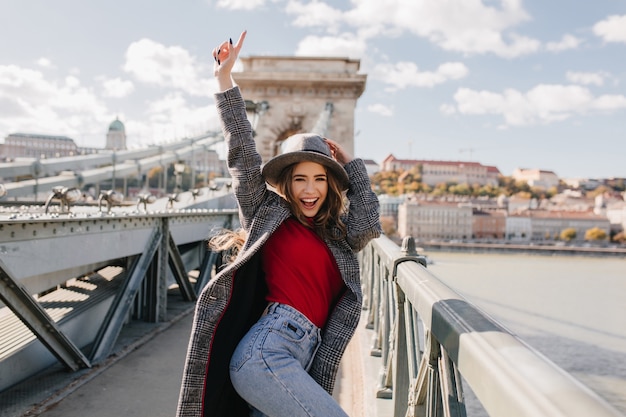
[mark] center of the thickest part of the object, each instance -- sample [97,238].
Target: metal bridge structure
[70,283]
[42,175]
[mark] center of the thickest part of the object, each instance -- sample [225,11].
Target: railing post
[401,377]
[395,373]
[385,334]
[377,308]
[409,253]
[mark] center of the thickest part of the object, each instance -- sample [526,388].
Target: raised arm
[243,160]
[363,219]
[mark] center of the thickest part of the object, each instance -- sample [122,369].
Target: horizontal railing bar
[508,377]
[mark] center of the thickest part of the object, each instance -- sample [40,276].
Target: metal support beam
[123,301]
[39,322]
[400,366]
[178,269]
[209,259]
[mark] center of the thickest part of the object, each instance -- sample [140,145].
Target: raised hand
[338,152]
[225,57]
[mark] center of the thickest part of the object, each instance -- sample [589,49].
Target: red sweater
[300,271]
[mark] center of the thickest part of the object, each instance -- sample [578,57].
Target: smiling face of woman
[309,186]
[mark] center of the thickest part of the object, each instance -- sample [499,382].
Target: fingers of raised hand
[224,51]
[242,37]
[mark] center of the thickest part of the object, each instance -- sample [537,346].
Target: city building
[616,213]
[30,145]
[389,205]
[427,220]
[448,218]
[371,166]
[546,225]
[116,136]
[536,178]
[488,224]
[437,172]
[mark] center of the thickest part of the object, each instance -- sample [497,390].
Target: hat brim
[272,170]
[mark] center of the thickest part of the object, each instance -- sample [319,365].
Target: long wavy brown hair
[326,223]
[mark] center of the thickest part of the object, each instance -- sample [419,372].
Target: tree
[153,176]
[387,182]
[460,189]
[568,234]
[524,194]
[603,189]
[595,234]
[388,224]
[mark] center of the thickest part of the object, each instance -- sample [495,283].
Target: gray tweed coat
[234,299]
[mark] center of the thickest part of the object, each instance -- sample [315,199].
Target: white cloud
[314,14]
[153,63]
[240,4]
[610,102]
[407,74]
[466,26]
[31,103]
[567,42]
[380,109]
[174,117]
[586,78]
[72,81]
[448,109]
[117,88]
[612,29]
[344,45]
[542,104]
[45,63]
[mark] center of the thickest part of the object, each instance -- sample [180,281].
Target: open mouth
[309,203]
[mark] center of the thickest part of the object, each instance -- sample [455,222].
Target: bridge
[42,175]
[83,286]
[79,287]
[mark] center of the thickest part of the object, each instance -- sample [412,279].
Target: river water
[571,309]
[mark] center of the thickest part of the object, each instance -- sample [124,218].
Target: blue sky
[511,83]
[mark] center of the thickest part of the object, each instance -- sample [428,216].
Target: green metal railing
[432,342]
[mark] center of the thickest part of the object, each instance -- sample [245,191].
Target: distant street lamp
[206,164]
[113,162]
[36,169]
[179,168]
[193,167]
[254,111]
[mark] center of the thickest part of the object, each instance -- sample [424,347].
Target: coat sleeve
[363,217]
[243,159]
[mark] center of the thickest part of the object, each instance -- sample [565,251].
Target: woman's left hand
[337,152]
[225,56]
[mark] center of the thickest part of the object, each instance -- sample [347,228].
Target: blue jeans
[269,367]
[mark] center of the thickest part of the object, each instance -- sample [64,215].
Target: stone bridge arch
[298,91]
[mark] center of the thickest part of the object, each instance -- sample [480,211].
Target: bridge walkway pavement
[142,377]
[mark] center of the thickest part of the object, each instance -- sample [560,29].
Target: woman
[270,329]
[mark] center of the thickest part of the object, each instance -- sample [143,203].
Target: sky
[530,84]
